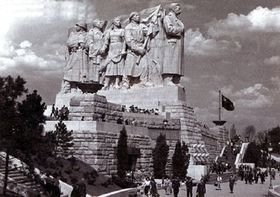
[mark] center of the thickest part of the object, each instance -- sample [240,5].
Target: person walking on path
[168,186]
[231,183]
[189,186]
[201,189]
[147,186]
[176,186]
[153,190]
[219,180]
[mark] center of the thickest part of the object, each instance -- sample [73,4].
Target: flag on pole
[227,104]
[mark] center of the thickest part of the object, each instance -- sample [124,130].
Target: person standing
[189,186]
[201,189]
[231,183]
[153,190]
[176,186]
[147,186]
[82,188]
[219,180]
[168,186]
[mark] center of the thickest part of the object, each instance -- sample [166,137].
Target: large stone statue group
[148,51]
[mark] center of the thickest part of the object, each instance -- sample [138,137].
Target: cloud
[197,44]
[25,58]
[274,60]
[25,44]
[276,82]
[256,96]
[261,20]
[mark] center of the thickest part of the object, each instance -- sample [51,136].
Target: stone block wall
[93,107]
[190,131]
[95,143]
[99,150]
[194,133]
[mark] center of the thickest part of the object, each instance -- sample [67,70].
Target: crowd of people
[172,186]
[220,167]
[250,175]
[60,114]
[135,109]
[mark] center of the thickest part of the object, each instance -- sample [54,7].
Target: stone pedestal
[151,97]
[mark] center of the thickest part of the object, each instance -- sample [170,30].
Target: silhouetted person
[153,189]
[176,186]
[231,183]
[189,186]
[201,189]
[82,188]
[53,111]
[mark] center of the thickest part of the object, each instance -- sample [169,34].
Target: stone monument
[132,62]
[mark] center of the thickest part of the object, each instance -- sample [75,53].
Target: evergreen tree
[10,90]
[186,159]
[63,140]
[160,156]
[31,112]
[122,154]
[249,133]
[232,132]
[274,138]
[177,160]
[252,154]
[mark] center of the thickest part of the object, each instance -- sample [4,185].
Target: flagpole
[220,107]
[219,122]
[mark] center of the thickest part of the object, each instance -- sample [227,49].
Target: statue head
[176,8]
[117,22]
[134,16]
[81,26]
[98,23]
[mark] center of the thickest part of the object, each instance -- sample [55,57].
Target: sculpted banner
[143,49]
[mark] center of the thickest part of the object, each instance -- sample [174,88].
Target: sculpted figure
[156,49]
[76,65]
[136,60]
[114,64]
[95,43]
[173,57]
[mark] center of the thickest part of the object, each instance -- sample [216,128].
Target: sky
[230,45]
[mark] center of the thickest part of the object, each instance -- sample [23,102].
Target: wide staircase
[18,180]
[228,156]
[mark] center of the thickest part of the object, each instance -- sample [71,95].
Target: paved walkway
[240,189]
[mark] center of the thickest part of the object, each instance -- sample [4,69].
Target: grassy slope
[71,170]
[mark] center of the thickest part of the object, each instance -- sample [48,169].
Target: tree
[160,156]
[63,140]
[274,135]
[261,138]
[252,154]
[178,165]
[250,132]
[186,159]
[122,154]
[232,132]
[31,112]
[10,90]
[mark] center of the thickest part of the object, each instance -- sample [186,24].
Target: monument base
[150,97]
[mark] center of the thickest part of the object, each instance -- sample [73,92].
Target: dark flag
[227,104]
